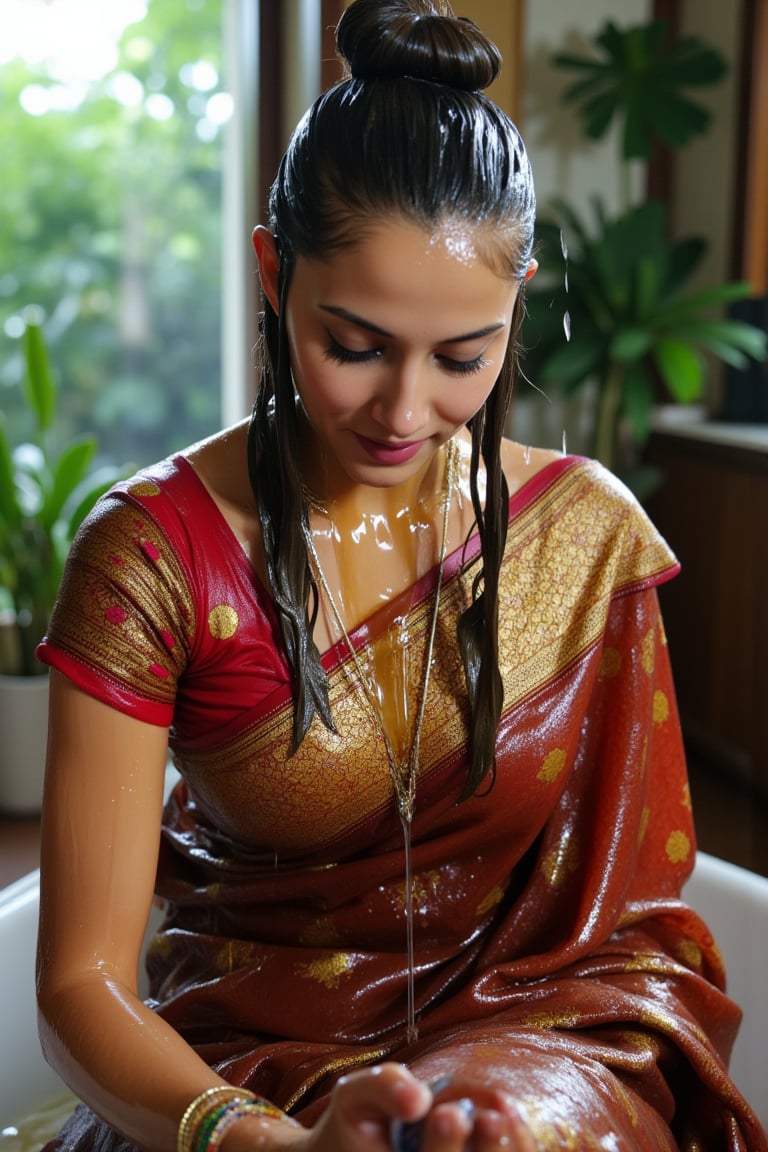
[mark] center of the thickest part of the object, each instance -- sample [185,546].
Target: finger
[501,1130]
[365,1102]
[448,1127]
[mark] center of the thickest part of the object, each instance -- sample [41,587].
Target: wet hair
[406,134]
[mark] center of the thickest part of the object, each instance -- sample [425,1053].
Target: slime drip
[398,547]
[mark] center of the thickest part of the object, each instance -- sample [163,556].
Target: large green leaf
[10,513]
[635,74]
[70,470]
[681,369]
[638,396]
[683,258]
[695,304]
[733,341]
[573,363]
[630,344]
[38,381]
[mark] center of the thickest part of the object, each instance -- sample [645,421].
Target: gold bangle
[197,1109]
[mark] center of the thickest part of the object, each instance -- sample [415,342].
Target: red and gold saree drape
[552,952]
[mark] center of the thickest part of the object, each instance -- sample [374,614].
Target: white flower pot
[23,739]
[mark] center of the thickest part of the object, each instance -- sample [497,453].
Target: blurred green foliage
[110,231]
[636,327]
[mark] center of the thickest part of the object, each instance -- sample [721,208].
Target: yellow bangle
[196,1111]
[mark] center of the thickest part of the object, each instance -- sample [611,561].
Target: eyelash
[342,355]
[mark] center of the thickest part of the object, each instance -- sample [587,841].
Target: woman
[422,867]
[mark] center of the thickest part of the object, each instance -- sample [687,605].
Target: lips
[387,452]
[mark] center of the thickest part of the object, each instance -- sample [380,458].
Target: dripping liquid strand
[388,663]
[411,1029]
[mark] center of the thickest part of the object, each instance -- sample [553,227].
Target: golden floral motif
[222,622]
[660,707]
[144,488]
[610,663]
[233,956]
[160,947]
[626,1100]
[328,970]
[550,1133]
[678,847]
[649,651]
[549,1020]
[561,862]
[648,962]
[689,953]
[494,897]
[554,762]
[686,800]
[321,934]
[645,817]
[424,886]
[640,1042]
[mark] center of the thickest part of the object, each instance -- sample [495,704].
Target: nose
[401,405]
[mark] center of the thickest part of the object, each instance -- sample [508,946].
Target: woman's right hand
[364,1105]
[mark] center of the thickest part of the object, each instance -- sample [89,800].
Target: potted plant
[45,492]
[618,286]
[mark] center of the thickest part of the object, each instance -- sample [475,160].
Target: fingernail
[467,1106]
[438,1084]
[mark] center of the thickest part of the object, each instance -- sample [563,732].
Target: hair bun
[417,39]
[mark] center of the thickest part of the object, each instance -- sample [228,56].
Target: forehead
[407,279]
[393,243]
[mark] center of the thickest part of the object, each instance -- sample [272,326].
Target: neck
[334,493]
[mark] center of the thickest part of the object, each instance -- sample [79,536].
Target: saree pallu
[553,955]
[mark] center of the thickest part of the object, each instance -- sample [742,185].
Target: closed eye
[463,367]
[343,355]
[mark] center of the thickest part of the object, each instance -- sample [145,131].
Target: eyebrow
[360,322]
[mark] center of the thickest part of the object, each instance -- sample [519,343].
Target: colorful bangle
[209,1115]
[233,1111]
[196,1112]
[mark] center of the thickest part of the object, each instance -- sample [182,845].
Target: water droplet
[567,324]
[527,454]
[563,245]
[565,443]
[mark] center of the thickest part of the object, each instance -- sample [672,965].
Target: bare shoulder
[521,462]
[221,463]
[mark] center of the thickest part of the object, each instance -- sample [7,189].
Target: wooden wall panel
[713,510]
[753,249]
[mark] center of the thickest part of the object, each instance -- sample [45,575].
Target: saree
[553,955]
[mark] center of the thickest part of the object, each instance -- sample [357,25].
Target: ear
[531,269]
[269,264]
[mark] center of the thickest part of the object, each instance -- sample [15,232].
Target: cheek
[322,388]
[461,399]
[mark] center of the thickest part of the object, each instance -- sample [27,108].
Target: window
[114,124]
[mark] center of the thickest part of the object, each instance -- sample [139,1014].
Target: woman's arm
[101,829]
[100,837]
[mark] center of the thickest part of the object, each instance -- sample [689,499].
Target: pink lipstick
[387,452]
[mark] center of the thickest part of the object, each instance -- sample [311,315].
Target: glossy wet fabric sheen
[553,954]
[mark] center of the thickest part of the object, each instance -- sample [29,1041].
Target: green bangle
[197,1111]
[211,1134]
